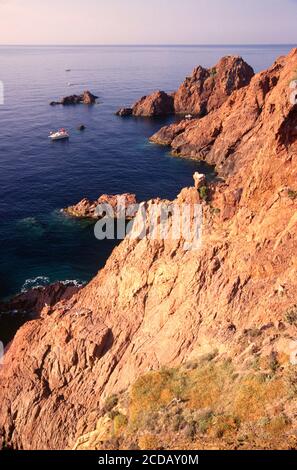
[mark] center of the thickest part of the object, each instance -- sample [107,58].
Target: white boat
[62,134]
[189,117]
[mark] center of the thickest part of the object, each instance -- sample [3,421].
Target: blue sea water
[39,245]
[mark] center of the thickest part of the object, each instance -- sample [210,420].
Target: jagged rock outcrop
[86,98]
[242,119]
[34,303]
[157,302]
[87,209]
[36,299]
[204,91]
[207,89]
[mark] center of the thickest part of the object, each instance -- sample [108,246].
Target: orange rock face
[207,89]
[157,104]
[244,118]
[35,300]
[202,92]
[155,303]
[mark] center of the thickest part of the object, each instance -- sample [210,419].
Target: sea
[38,244]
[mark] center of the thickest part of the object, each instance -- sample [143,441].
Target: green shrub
[291,315]
[203,191]
[292,194]
[204,422]
[110,403]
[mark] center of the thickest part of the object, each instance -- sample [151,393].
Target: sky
[148,22]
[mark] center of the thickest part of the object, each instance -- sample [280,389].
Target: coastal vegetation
[207,404]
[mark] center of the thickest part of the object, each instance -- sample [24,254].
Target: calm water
[37,177]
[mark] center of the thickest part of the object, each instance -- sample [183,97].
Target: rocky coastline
[204,91]
[163,333]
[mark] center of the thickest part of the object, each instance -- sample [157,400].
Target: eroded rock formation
[87,209]
[157,104]
[223,137]
[202,92]
[207,89]
[157,302]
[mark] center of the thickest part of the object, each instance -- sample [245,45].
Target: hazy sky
[148,21]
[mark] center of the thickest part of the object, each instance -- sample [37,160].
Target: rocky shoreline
[201,93]
[157,319]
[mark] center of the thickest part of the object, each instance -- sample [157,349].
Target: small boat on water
[189,117]
[62,134]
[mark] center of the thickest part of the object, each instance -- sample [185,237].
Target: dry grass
[120,423]
[291,381]
[254,395]
[278,425]
[155,391]
[210,403]
[207,384]
[148,442]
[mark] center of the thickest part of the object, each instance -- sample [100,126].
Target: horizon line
[151,45]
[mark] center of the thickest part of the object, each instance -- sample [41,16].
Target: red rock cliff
[207,89]
[156,304]
[204,91]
